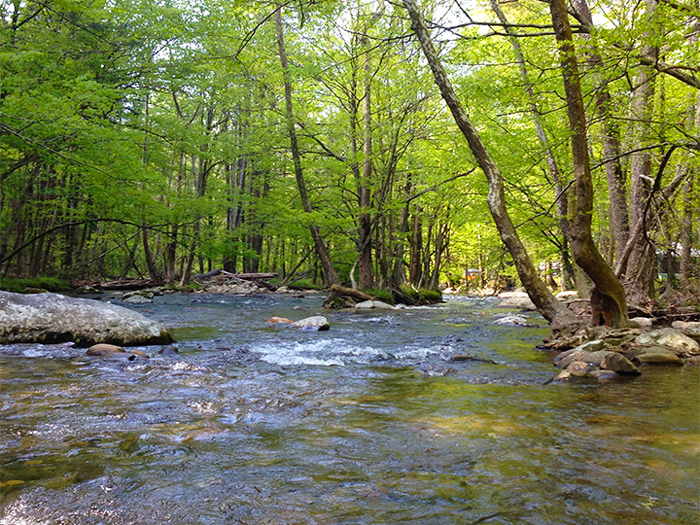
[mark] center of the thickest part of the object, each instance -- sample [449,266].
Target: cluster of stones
[623,352]
[238,286]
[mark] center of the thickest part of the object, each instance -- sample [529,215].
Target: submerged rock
[604,375]
[53,318]
[104,349]
[107,350]
[169,350]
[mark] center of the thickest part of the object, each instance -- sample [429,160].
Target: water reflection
[221,435]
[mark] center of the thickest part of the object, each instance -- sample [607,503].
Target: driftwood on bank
[128,284]
[229,275]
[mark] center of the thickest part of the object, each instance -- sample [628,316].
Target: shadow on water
[370,422]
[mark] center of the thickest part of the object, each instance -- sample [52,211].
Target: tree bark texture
[608,300]
[365,226]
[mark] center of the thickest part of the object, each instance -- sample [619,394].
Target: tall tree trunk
[365,230]
[608,301]
[398,273]
[171,256]
[687,234]
[153,273]
[414,271]
[640,264]
[550,308]
[319,243]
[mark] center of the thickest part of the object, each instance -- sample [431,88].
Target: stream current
[370,422]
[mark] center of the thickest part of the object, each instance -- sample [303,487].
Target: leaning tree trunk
[321,248]
[550,308]
[619,214]
[608,301]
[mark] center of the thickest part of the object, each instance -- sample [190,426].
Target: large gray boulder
[53,318]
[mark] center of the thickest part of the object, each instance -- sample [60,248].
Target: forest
[372,144]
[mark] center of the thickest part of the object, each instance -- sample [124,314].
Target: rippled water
[370,422]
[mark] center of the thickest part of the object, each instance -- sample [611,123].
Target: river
[369,422]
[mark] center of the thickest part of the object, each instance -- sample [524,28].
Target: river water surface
[370,422]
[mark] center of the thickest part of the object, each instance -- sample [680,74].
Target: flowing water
[370,422]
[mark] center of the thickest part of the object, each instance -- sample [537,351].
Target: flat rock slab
[54,318]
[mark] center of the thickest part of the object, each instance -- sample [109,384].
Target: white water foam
[328,352]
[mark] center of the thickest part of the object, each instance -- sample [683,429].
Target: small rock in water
[366,305]
[86,289]
[658,357]
[315,323]
[513,320]
[620,364]
[104,349]
[137,299]
[169,350]
[281,320]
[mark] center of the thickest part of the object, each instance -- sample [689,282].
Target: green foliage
[140,115]
[50,284]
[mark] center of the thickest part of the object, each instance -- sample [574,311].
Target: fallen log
[255,276]
[342,290]
[128,284]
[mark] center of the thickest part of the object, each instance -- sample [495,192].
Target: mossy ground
[50,284]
